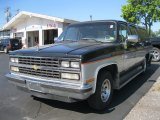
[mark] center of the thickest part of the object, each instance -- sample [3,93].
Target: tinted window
[132,30]
[6,41]
[143,33]
[14,40]
[122,32]
[102,31]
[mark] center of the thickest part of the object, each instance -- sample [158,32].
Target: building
[32,28]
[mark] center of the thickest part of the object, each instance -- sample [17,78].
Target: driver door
[129,49]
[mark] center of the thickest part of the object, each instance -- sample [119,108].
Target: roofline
[121,21]
[39,16]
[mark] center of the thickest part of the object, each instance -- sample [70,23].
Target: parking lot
[18,105]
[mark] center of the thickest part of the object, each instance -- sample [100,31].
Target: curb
[148,107]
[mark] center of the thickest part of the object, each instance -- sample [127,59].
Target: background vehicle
[8,44]
[156,49]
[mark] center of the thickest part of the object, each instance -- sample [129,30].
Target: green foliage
[157,33]
[153,34]
[145,12]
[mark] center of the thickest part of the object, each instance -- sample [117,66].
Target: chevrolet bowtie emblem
[35,67]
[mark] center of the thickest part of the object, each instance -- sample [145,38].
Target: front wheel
[104,92]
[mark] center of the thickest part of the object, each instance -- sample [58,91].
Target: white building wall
[60,28]
[36,24]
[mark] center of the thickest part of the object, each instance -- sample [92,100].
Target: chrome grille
[49,62]
[45,62]
[40,72]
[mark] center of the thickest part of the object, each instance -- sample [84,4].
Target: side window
[122,33]
[143,34]
[132,30]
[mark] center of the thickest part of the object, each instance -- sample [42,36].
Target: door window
[132,30]
[122,32]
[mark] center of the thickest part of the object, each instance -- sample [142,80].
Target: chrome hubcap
[105,90]
[156,55]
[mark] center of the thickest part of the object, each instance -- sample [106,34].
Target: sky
[79,10]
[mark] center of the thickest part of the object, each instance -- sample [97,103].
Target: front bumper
[51,90]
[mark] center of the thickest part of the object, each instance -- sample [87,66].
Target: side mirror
[133,38]
[56,40]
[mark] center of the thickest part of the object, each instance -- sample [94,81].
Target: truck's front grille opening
[40,72]
[48,62]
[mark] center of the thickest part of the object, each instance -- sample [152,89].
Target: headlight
[12,59]
[71,76]
[15,69]
[15,60]
[71,64]
[75,65]
[65,64]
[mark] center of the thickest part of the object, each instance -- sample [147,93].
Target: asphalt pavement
[18,105]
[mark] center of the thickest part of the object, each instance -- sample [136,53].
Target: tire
[156,54]
[5,50]
[144,65]
[104,92]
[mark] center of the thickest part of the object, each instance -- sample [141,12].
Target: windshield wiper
[91,39]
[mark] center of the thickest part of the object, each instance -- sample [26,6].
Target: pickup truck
[156,49]
[89,61]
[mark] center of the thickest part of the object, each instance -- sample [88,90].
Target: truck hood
[62,48]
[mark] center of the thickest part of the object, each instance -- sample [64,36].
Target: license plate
[34,86]
[16,44]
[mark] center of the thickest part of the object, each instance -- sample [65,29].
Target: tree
[144,12]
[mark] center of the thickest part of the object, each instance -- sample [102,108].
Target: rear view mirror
[133,38]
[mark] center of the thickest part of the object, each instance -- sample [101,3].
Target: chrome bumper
[61,92]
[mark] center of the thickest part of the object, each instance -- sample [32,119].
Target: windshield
[102,32]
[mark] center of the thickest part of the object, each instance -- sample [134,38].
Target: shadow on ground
[118,98]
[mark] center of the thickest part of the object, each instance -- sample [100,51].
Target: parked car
[156,49]
[9,44]
[91,61]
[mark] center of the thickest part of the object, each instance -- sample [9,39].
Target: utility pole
[7,14]
[91,17]
[17,11]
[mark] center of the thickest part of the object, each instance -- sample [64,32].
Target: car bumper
[61,92]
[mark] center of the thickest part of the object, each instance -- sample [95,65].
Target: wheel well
[147,56]
[156,46]
[113,69]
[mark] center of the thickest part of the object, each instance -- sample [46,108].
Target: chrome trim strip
[59,58]
[130,79]
[58,86]
[47,80]
[46,67]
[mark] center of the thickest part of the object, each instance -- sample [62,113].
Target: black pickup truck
[156,49]
[89,62]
